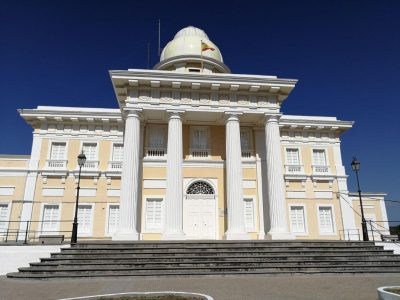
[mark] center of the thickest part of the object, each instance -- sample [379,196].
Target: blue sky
[346,55]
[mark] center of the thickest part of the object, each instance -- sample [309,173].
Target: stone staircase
[192,258]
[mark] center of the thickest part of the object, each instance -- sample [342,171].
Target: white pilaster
[234,183]
[276,191]
[30,185]
[346,204]
[130,179]
[174,194]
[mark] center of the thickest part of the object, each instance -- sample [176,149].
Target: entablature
[219,90]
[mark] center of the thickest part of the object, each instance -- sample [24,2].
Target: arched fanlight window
[200,187]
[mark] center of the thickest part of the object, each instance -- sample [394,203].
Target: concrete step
[185,248]
[218,244]
[193,269]
[206,258]
[168,264]
[184,273]
[192,252]
[133,259]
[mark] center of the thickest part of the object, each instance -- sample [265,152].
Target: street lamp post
[355,165]
[74,236]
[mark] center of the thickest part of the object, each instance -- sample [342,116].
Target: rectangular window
[154,213]
[245,140]
[249,213]
[155,137]
[118,152]
[90,150]
[113,218]
[85,219]
[297,219]
[292,157]
[325,220]
[57,151]
[200,138]
[3,218]
[50,218]
[319,157]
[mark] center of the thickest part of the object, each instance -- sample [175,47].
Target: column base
[280,236]
[173,236]
[236,236]
[125,236]
[261,236]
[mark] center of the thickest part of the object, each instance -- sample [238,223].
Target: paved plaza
[326,287]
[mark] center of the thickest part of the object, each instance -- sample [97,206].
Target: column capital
[175,113]
[232,116]
[272,117]
[132,113]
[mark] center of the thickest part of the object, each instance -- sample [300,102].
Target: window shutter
[156,137]
[118,152]
[57,151]
[292,156]
[325,220]
[50,218]
[154,212]
[90,150]
[297,219]
[245,140]
[3,218]
[200,138]
[319,158]
[249,213]
[84,219]
[113,218]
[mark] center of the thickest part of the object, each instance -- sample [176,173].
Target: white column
[276,191]
[130,179]
[234,183]
[346,204]
[174,195]
[261,180]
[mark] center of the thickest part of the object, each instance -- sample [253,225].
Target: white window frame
[253,228]
[97,149]
[326,155]
[249,131]
[112,150]
[106,228]
[40,224]
[9,206]
[333,220]
[305,219]
[57,141]
[160,127]
[91,219]
[145,226]
[372,217]
[298,152]
[194,128]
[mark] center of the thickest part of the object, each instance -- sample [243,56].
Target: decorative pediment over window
[200,187]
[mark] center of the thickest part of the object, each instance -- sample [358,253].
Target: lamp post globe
[355,165]
[74,235]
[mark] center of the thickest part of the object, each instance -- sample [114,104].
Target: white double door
[199,217]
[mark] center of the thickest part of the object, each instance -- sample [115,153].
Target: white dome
[188,42]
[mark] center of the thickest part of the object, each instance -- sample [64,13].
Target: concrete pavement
[326,287]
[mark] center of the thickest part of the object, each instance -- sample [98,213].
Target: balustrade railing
[115,165]
[56,164]
[247,154]
[90,165]
[320,169]
[294,169]
[200,153]
[155,152]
